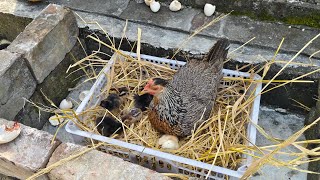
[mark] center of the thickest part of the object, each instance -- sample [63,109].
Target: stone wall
[35,63]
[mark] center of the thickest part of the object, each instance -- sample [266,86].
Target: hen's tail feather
[218,52]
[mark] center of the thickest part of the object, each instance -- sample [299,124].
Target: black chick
[113,101]
[143,101]
[108,125]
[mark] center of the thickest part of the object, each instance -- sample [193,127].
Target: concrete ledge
[29,152]
[97,165]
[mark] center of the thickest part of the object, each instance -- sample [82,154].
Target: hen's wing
[197,84]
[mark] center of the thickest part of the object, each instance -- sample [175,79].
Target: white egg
[209,9]
[175,5]
[170,145]
[155,6]
[169,142]
[65,104]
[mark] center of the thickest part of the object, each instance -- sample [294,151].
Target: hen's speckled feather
[191,93]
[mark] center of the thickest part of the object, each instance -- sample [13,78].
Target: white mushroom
[83,94]
[155,6]
[65,104]
[209,9]
[175,5]
[56,120]
[8,134]
[169,142]
[148,2]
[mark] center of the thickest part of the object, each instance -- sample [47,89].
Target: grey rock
[47,39]
[96,165]
[55,87]
[29,152]
[16,83]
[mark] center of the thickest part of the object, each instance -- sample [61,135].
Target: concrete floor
[280,124]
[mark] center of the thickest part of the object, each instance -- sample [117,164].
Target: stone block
[47,39]
[29,152]
[96,165]
[16,83]
[55,86]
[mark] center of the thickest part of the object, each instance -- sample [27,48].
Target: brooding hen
[189,97]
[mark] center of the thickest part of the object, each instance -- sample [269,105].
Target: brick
[29,152]
[16,83]
[96,165]
[47,39]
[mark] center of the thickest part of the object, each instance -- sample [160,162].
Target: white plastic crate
[157,160]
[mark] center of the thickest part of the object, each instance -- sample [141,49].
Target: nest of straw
[215,141]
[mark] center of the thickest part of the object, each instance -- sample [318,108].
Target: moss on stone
[252,15]
[312,20]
